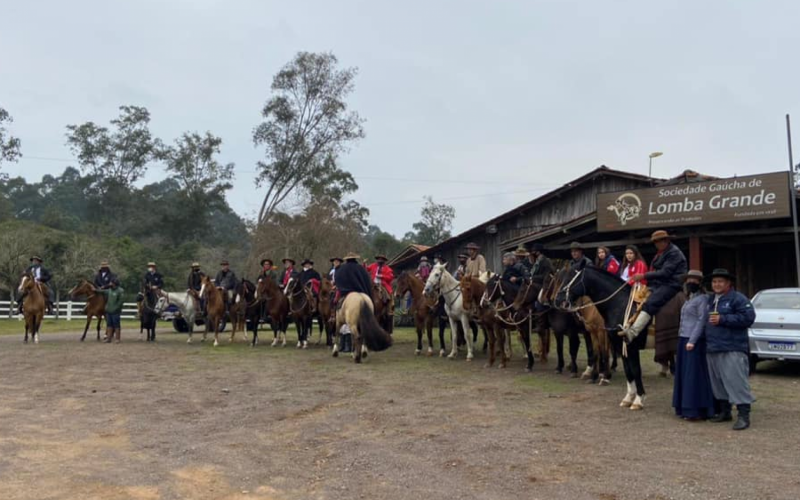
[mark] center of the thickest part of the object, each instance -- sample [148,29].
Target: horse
[441,282]
[588,319]
[152,304]
[33,305]
[326,313]
[302,309]
[472,290]
[240,310]
[276,305]
[499,292]
[610,295]
[95,305]
[358,314]
[424,311]
[186,303]
[215,307]
[381,300]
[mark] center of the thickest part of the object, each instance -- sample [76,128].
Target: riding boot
[636,328]
[109,335]
[118,332]
[390,324]
[742,417]
[724,414]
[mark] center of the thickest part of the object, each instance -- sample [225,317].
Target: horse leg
[467,338]
[525,335]
[86,328]
[37,324]
[254,322]
[634,360]
[630,395]
[544,344]
[419,339]
[591,358]
[574,347]
[99,326]
[453,338]
[216,331]
[428,324]
[442,347]
[560,352]
[356,345]
[500,334]
[603,346]
[26,330]
[492,346]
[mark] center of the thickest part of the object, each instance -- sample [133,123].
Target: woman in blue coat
[692,396]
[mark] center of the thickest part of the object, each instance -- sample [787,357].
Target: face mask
[692,288]
[152,269]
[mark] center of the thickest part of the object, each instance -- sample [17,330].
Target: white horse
[442,282]
[185,303]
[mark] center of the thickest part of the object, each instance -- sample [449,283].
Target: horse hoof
[469,358]
[441,353]
[452,356]
[216,343]
[625,404]
[335,354]
[636,407]
[487,365]
[603,381]
[416,352]
[189,341]
[573,375]
[559,371]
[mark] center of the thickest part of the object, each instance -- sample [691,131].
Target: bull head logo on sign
[627,207]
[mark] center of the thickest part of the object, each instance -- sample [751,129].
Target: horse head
[529,293]
[493,291]
[434,282]
[82,289]
[26,282]
[205,286]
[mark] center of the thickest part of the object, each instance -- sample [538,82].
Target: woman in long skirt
[692,397]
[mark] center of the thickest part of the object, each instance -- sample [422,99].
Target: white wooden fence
[64,310]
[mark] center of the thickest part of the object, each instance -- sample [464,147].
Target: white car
[776,332]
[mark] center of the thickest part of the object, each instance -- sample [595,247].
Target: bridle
[591,303]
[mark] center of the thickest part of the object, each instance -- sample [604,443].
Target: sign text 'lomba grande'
[753,197]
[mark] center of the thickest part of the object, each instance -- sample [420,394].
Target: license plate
[783,346]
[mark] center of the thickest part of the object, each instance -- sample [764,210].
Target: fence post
[69,310]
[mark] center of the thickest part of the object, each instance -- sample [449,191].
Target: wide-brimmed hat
[575,246]
[509,255]
[423,259]
[722,273]
[103,264]
[334,259]
[473,246]
[151,264]
[36,257]
[521,252]
[352,256]
[195,264]
[536,247]
[266,260]
[380,256]
[224,263]
[660,235]
[307,261]
[287,259]
[693,273]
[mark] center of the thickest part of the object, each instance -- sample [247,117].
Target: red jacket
[286,275]
[386,277]
[639,267]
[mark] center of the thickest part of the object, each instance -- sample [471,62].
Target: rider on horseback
[538,265]
[311,279]
[288,271]
[152,278]
[195,283]
[476,264]
[513,272]
[104,277]
[43,276]
[579,260]
[663,281]
[267,271]
[382,275]
[226,281]
[461,270]
[351,277]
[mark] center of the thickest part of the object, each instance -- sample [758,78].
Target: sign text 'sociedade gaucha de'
[751,197]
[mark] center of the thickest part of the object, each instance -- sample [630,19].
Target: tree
[436,223]
[115,158]
[306,126]
[192,163]
[9,145]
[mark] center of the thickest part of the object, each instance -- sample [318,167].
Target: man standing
[382,275]
[104,277]
[579,260]
[476,263]
[288,270]
[730,315]
[114,302]
[43,276]
[663,280]
[226,280]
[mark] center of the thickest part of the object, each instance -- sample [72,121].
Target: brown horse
[275,307]
[326,312]
[215,307]
[423,311]
[472,290]
[244,296]
[302,309]
[357,313]
[33,305]
[95,305]
[383,306]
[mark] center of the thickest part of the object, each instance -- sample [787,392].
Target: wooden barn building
[743,224]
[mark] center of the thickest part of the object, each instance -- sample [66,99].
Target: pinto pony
[95,305]
[33,305]
[358,314]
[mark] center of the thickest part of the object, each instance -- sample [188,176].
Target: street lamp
[654,154]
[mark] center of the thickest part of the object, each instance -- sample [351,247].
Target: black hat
[224,263]
[334,259]
[36,257]
[380,256]
[536,247]
[575,246]
[722,273]
[287,259]
[263,261]
[307,261]
[473,246]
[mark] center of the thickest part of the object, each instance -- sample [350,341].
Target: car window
[777,301]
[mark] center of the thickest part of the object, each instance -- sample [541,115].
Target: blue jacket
[668,268]
[694,318]
[736,314]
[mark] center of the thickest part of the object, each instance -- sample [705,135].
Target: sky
[482,105]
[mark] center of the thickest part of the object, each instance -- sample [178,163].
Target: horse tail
[370,330]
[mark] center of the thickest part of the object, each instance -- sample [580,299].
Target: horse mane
[604,272]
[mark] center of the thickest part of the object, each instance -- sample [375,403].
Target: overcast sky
[514,97]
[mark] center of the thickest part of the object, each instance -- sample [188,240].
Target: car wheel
[753,362]
[180,325]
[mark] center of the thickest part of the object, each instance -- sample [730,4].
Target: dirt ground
[171,420]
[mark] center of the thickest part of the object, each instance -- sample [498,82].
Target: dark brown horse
[472,290]
[326,311]
[33,305]
[240,311]
[423,310]
[95,305]
[302,309]
[275,306]
[215,307]
[383,306]
[502,295]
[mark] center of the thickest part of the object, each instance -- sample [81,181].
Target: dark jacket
[195,281]
[115,300]
[352,277]
[153,280]
[736,314]
[515,271]
[540,269]
[308,275]
[268,275]
[575,264]
[44,274]
[103,280]
[668,268]
[226,280]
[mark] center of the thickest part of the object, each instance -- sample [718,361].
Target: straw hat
[352,256]
[660,235]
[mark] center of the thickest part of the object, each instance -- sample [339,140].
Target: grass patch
[13,326]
